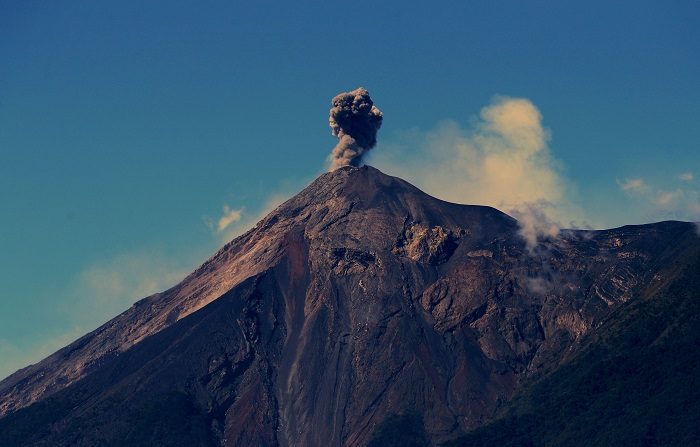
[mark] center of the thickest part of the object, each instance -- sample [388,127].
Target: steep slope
[632,382]
[358,303]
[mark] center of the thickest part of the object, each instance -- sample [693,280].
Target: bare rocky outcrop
[431,245]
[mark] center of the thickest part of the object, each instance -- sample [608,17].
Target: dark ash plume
[355,120]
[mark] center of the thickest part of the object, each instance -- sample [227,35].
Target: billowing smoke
[355,120]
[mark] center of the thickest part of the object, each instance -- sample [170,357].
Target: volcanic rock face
[358,300]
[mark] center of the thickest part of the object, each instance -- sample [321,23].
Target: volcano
[365,312]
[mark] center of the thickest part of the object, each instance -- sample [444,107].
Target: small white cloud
[235,222]
[246,221]
[680,203]
[634,185]
[687,176]
[229,216]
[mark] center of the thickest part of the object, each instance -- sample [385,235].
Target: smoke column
[355,120]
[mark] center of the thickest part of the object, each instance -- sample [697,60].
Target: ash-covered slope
[358,301]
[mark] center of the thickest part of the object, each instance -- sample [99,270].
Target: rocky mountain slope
[632,382]
[360,302]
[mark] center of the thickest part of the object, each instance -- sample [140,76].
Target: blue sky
[126,128]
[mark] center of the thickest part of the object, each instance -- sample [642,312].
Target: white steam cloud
[502,160]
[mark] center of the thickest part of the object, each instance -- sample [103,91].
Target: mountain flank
[365,312]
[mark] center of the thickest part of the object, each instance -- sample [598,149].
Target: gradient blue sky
[126,126]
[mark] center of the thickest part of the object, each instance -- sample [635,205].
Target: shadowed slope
[633,382]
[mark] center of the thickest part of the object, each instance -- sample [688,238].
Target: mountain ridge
[355,262]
